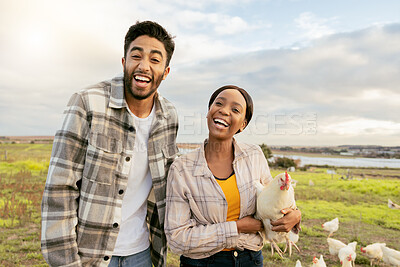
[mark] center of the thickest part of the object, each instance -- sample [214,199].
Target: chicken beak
[349,258]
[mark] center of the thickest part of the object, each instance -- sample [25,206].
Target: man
[110,161]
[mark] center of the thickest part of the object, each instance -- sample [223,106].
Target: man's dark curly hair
[151,29]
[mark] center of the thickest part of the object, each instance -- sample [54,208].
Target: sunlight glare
[35,41]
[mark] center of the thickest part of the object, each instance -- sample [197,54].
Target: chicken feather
[318,262]
[390,256]
[347,255]
[373,251]
[331,226]
[271,199]
[335,245]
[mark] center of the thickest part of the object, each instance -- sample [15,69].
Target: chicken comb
[287,176]
[315,260]
[286,182]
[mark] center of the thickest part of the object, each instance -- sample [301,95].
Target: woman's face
[227,114]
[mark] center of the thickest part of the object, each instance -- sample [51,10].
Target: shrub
[267,152]
[284,162]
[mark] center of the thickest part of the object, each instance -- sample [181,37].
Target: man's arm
[61,193]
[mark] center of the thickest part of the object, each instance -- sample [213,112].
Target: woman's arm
[249,225]
[184,233]
[290,220]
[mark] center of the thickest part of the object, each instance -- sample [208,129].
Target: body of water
[345,162]
[338,162]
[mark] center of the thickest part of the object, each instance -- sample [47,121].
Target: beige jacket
[195,222]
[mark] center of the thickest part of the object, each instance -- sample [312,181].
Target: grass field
[360,204]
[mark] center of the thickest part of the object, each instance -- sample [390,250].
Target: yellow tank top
[231,191]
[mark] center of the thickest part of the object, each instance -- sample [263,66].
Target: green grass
[22,179]
[360,204]
[365,213]
[21,152]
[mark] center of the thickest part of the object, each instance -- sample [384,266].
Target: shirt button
[115,225]
[127,159]
[106,258]
[120,191]
[235,254]
[131,129]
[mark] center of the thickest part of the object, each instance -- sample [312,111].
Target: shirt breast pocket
[102,156]
[169,152]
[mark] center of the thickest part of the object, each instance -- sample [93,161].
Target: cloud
[335,77]
[347,80]
[208,3]
[355,126]
[313,26]
[213,23]
[205,36]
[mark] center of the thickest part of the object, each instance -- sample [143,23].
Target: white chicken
[293,238]
[271,199]
[353,245]
[393,205]
[347,255]
[331,226]
[298,263]
[390,256]
[335,245]
[373,251]
[319,262]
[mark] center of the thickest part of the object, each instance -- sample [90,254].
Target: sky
[321,73]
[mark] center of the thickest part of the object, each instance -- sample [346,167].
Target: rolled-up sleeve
[185,235]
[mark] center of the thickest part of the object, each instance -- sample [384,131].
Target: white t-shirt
[133,236]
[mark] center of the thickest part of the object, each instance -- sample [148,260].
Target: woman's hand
[249,225]
[291,219]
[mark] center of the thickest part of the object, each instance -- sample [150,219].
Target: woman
[211,198]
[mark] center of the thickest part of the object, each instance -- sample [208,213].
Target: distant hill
[27,139]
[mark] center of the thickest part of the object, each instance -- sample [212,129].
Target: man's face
[144,67]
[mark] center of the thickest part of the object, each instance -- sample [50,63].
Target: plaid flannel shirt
[195,223]
[88,173]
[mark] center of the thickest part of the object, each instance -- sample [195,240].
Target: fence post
[5,155]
